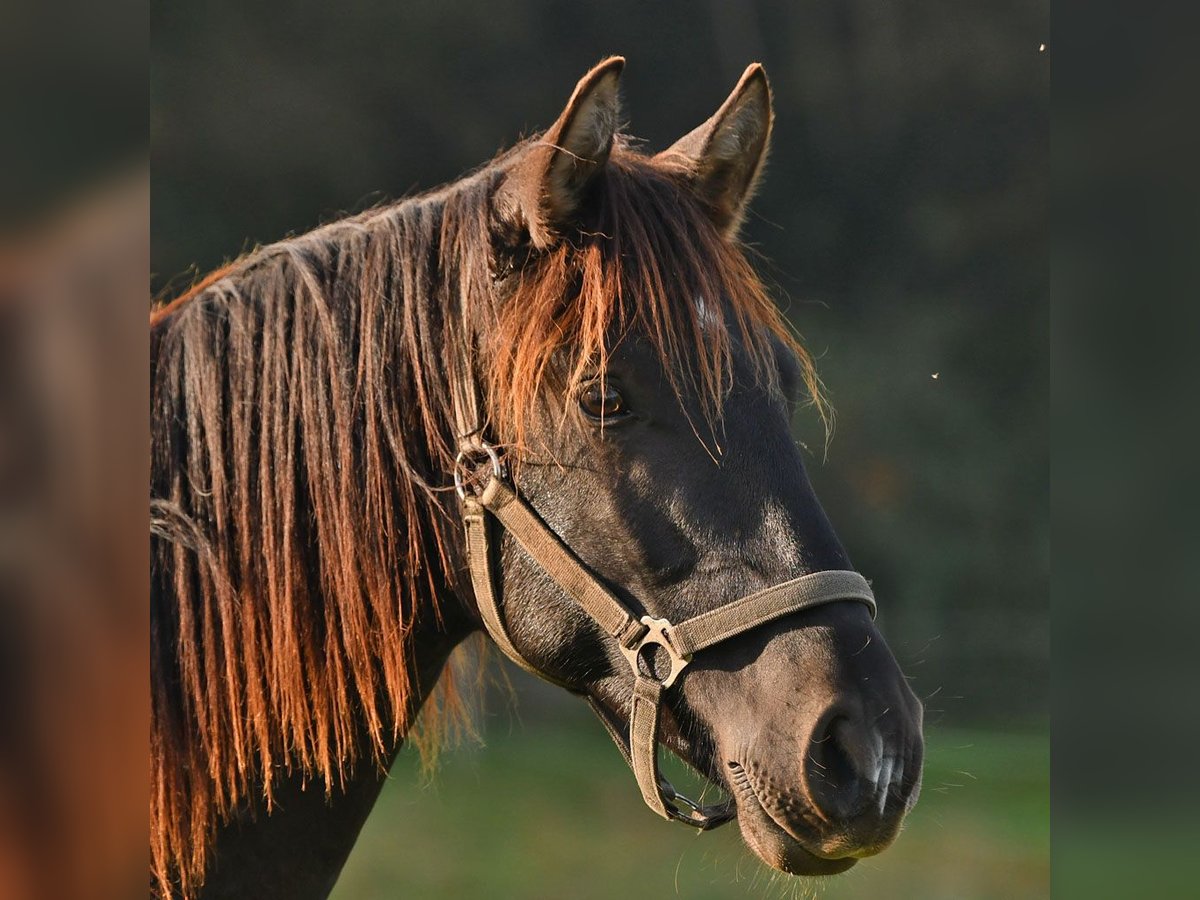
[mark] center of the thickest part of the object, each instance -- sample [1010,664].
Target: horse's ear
[727,152]
[550,184]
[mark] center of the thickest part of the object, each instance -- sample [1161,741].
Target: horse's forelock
[647,261]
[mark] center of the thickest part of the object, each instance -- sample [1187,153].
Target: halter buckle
[657,634]
[468,453]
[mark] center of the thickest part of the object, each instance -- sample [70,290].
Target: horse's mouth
[772,839]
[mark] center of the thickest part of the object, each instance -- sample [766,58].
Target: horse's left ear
[551,183]
[727,152]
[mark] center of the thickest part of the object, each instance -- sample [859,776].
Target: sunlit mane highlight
[303,433]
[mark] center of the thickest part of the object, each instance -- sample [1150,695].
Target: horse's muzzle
[858,778]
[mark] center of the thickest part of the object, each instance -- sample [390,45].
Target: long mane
[302,439]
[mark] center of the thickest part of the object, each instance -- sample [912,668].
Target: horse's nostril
[835,772]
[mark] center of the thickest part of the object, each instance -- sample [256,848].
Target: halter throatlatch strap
[637,741]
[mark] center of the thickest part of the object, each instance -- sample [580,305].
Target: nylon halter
[636,637]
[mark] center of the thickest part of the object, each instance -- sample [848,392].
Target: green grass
[551,812]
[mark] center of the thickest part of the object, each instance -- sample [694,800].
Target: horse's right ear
[725,155]
[547,187]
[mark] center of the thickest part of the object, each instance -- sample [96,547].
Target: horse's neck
[298,850]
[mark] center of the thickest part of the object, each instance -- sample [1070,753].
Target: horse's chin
[781,851]
[772,842]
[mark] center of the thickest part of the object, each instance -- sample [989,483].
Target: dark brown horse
[588,309]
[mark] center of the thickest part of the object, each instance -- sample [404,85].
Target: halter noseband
[639,742]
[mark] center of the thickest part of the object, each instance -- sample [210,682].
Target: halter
[637,638]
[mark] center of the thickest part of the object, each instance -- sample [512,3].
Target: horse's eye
[602,401]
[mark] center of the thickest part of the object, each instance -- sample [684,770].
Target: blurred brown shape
[73,594]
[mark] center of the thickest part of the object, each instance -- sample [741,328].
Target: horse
[550,401]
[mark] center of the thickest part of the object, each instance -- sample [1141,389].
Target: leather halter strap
[638,742]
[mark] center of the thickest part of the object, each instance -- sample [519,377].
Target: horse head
[642,388]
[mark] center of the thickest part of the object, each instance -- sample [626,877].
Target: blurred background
[902,225]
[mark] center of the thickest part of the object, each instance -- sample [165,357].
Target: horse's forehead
[714,316]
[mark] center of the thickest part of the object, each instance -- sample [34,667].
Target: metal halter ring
[656,635]
[468,453]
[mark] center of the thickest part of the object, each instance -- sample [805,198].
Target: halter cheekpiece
[639,639]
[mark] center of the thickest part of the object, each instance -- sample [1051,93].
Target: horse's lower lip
[771,840]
